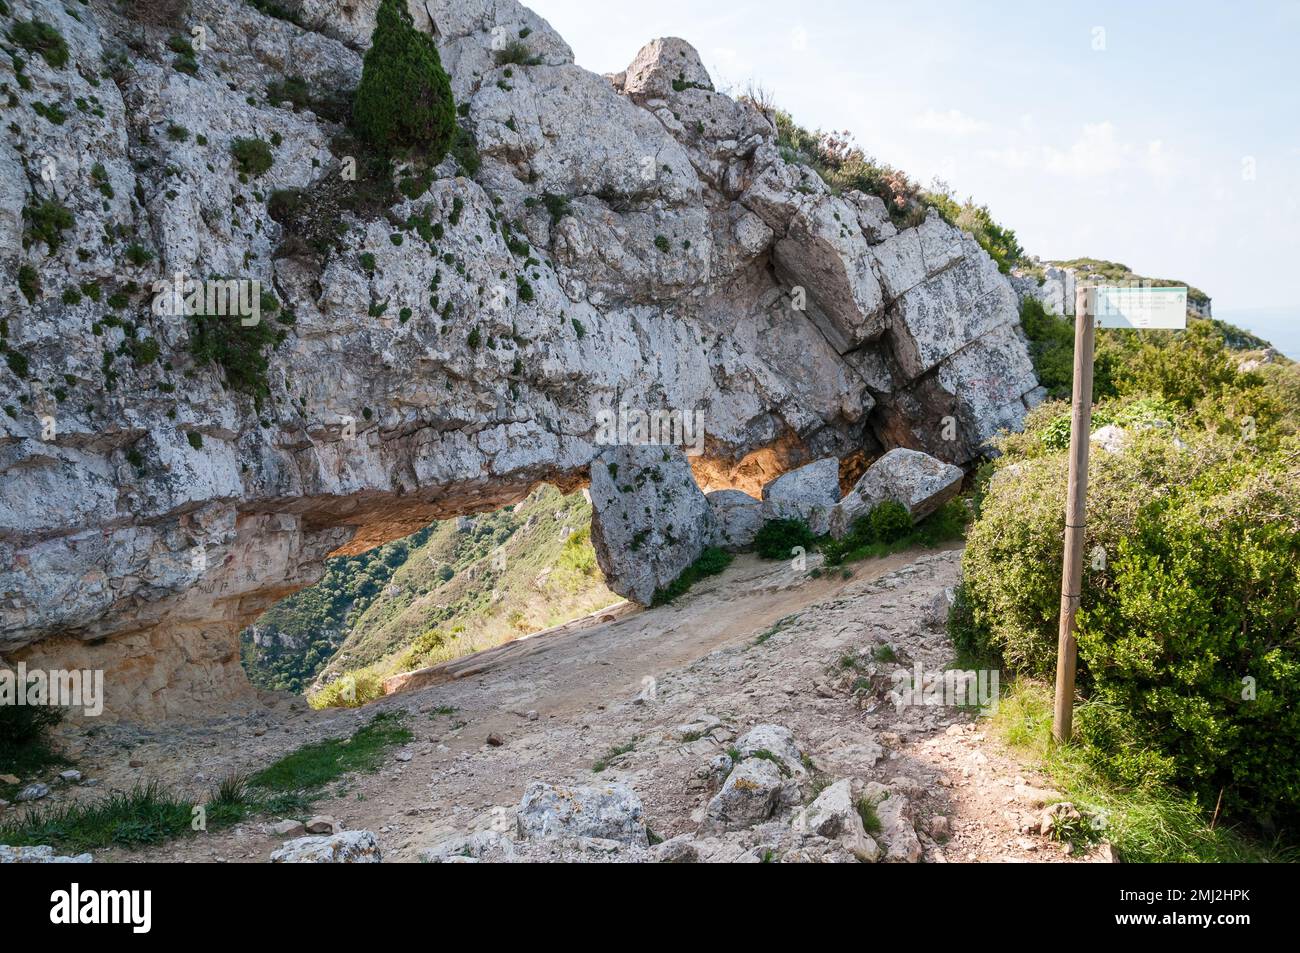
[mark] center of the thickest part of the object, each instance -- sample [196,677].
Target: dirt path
[560,702]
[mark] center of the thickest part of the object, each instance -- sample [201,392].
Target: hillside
[476,582]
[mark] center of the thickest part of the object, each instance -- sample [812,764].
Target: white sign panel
[1140,307]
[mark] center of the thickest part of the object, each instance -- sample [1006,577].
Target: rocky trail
[761,660]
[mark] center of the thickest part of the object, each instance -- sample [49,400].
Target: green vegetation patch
[709,563]
[37,36]
[314,765]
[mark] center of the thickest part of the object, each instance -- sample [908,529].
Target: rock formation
[632,241]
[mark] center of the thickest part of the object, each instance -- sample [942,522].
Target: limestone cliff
[635,240]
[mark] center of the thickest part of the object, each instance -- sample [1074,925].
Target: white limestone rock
[916,480]
[348,847]
[649,519]
[606,811]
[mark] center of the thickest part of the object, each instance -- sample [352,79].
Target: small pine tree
[404,99]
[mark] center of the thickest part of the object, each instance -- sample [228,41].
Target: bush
[888,528]
[350,690]
[47,221]
[709,563]
[1051,345]
[1192,578]
[253,156]
[158,12]
[889,521]
[239,350]
[24,731]
[404,100]
[37,36]
[778,538]
[516,52]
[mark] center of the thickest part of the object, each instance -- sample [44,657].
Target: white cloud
[1096,152]
[951,123]
[799,40]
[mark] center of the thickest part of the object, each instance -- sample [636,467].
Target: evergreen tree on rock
[404,100]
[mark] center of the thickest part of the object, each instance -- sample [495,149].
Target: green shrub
[239,350]
[517,53]
[37,36]
[778,538]
[1192,578]
[404,100]
[350,690]
[24,736]
[890,521]
[47,221]
[464,150]
[29,283]
[1051,345]
[888,528]
[252,155]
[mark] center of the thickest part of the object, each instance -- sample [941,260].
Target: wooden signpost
[1095,307]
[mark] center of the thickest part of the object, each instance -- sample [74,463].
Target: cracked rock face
[628,241]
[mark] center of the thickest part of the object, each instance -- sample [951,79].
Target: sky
[1158,134]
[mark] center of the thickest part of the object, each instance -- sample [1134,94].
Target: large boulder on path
[606,811]
[649,519]
[915,479]
[346,847]
[808,493]
[737,518]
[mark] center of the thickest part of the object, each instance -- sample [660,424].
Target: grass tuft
[1149,825]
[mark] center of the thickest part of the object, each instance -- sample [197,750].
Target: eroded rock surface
[632,241]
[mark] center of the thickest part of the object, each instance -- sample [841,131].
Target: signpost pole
[1072,571]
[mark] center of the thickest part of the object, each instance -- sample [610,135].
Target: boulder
[348,847]
[39,855]
[834,816]
[915,479]
[665,66]
[649,520]
[322,824]
[286,828]
[896,827]
[808,493]
[677,850]
[750,796]
[607,811]
[776,740]
[737,518]
[475,847]
[33,792]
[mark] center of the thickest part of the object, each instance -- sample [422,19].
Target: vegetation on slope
[843,165]
[152,813]
[294,639]
[455,587]
[1188,641]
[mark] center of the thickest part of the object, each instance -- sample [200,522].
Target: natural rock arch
[634,240]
